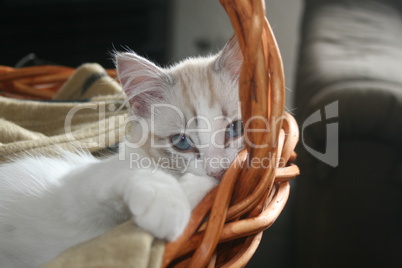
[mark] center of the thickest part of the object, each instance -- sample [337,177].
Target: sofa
[346,209]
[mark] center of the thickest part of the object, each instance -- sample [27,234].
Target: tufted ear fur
[143,82]
[230,58]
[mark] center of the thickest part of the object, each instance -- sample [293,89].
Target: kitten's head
[187,116]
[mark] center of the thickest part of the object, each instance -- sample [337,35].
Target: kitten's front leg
[155,200]
[162,204]
[158,203]
[107,192]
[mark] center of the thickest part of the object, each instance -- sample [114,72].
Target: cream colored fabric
[86,113]
[124,246]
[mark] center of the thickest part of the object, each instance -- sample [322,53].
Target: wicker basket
[248,199]
[226,227]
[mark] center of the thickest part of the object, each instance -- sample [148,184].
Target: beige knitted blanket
[86,113]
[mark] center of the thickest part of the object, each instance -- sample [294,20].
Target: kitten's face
[191,111]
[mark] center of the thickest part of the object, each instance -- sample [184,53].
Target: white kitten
[186,124]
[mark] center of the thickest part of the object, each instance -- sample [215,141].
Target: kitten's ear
[230,58]
[143,82]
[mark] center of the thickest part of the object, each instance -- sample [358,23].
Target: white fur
[48,204]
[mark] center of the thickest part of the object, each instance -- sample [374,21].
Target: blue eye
[234,129]
[181,142]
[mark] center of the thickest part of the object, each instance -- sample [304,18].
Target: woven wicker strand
[39,82]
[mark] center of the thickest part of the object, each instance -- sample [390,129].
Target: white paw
[158,204]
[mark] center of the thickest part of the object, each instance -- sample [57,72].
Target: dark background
[77,31]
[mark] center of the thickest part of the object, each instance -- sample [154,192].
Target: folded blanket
[88,112]
[84,113]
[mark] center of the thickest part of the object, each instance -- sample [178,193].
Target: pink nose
[218,175]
